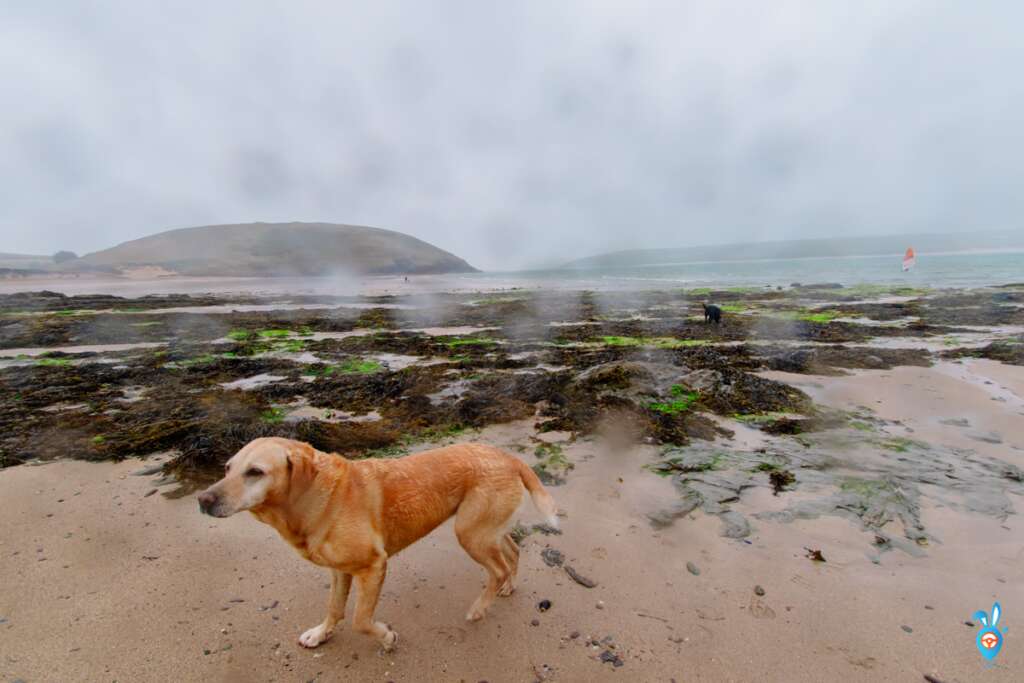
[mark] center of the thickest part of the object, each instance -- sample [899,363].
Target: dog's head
[262,473]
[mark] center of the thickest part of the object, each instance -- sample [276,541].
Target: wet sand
[105,582]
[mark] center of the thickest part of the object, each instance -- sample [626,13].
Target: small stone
[814,555]
[544,605]
[693,569]
[206,652]
[610,657]
[574,635]
[907,629]
[600,604]
[535,622]
[928,607]
[758,590]
[969,623]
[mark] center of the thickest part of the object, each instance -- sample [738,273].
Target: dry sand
[102,582]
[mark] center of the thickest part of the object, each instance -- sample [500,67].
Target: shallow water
[455,331]
[84,348]
[251,308]
[254,382]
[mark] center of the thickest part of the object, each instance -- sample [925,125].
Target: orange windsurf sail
[909,259]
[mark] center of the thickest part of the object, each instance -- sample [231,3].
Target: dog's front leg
[340,584]
[369,582]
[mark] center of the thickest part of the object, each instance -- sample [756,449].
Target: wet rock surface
[1009,351]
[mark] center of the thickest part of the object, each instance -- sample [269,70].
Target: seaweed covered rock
[1009,351]
[728,392]
[831,359]
[615,376]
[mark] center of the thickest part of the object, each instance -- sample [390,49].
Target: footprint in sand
[863,662]
[759,610]
[455,636]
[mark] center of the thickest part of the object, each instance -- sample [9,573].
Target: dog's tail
[542,500]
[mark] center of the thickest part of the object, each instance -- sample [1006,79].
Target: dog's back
[419,492]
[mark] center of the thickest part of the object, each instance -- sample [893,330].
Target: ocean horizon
[979,268]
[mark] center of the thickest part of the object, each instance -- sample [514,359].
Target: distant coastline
[934,244]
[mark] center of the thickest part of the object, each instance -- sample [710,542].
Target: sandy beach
[112,574]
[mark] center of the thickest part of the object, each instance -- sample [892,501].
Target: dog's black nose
[206,501]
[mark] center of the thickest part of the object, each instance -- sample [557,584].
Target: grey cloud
[512,134]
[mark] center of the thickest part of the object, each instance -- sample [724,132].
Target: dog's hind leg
[510,549]
[340,585]
[479,525]
[368,585]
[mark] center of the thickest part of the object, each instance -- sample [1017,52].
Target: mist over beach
[742,285]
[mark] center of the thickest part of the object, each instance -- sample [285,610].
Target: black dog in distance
[712,313]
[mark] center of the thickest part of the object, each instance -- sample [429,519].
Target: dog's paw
[506,589]
[390,640]
[475,614]
[314,636]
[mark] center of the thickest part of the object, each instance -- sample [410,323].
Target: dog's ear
[302,469]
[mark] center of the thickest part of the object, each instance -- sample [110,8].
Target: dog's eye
[253,472]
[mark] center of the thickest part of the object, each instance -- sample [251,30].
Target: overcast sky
[510,133]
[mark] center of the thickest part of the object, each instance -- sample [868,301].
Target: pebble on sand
[610,657]
[758,590]
[693,569]
[907,629]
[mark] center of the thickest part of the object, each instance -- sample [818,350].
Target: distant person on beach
[712,313]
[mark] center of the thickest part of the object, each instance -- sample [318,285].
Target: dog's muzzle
[207,502]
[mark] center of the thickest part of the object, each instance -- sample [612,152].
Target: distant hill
[853,246]
[25,261]
[275,249]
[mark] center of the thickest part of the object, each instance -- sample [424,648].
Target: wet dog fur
[351,516]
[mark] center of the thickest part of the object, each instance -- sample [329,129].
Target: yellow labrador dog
[351,516]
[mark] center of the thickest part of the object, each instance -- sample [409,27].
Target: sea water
[965,269]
